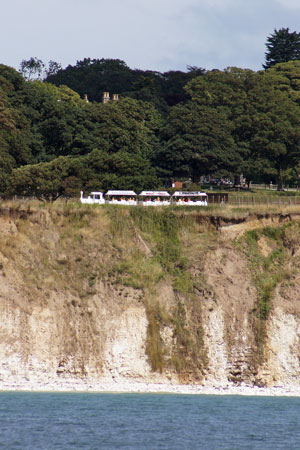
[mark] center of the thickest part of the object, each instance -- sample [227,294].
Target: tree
[95,76]
[32,68]
[282,46]
[286,77]
[274,130]
[35,68]
[67,176]
[120,170]
[10,75]
[53,68]
[198,142]
[44,180]
[129,125]
[59,121]
[220,98]
[14,127]
[262,114]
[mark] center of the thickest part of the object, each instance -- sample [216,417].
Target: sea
[147,421]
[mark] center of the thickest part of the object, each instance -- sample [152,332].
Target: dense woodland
[181,125]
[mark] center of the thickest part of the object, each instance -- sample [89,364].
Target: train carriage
[121,197]
[155,198]
[189,198]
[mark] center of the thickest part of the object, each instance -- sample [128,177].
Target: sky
[157,35]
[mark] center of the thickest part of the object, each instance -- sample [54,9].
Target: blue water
[135,421]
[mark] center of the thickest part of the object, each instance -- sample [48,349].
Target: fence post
[253,201]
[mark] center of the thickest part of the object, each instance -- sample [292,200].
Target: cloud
[289,4]
[158,34]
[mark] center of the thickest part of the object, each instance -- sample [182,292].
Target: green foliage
[268,270]
[273,233]
[276,133]
[119,170]
[223,123]
[264,119]
[181,331]
[66,175]
[154,345]
[282,46]
[162,226]
[198,141]
[129,126]
[95,76]
[44,180]
[35,68]
[139,272]
[286,77]
[53,68]
[252,237]
[32,67]
[183,282]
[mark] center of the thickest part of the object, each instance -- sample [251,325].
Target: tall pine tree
[282,46]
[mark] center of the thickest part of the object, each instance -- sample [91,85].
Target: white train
[146,198]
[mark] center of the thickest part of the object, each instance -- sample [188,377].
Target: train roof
[189,194]
[120,193]
[153,193]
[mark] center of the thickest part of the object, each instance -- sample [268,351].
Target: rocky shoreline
[126,386]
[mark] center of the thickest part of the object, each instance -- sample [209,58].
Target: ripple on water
[147,421]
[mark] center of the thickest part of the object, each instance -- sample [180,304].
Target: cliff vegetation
[149,294]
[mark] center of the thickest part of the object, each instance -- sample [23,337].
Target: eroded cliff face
[94,294]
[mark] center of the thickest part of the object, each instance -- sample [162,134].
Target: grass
[231,212]
[269,270]
[138,272]
[157,317]
[54,245]
[161,227]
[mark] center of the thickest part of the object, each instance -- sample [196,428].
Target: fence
[267,200]
[273,187]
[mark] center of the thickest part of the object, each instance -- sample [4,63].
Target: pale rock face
[227,317]
[11,362]
[283,348]
[124,351]
[167,335]
[34,345]
[216,346]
